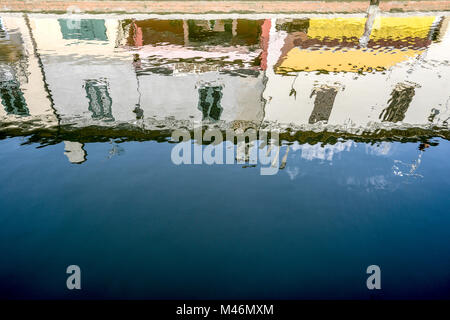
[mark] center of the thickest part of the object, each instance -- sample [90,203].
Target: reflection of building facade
[89,81]
[22,88]
[336,81]
[311,74]
[208,70]
[303,72]
[107,72]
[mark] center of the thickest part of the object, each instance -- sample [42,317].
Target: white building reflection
[311,73]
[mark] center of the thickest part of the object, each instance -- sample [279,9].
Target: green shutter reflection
[99,100]
[12,98]
[84,29]
[209,102]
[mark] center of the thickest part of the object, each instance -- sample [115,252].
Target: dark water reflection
[88,106]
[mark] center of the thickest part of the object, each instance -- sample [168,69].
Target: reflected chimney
[75,152]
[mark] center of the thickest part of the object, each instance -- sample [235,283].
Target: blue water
[89,103]
[141,227]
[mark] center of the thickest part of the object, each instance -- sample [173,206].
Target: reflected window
[247,32]
[399,103]
[100,101]
[294,25]
[323,104]
[13,99]
[209,102]
[190,32]
[210,32]
[225,32]
[151,32]
[84,29]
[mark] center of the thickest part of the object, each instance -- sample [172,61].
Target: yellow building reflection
[332,45]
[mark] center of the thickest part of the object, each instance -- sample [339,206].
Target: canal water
[357,109]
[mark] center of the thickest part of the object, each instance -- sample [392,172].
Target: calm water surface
[88,107]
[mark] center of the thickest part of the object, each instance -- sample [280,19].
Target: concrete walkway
[118,6]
